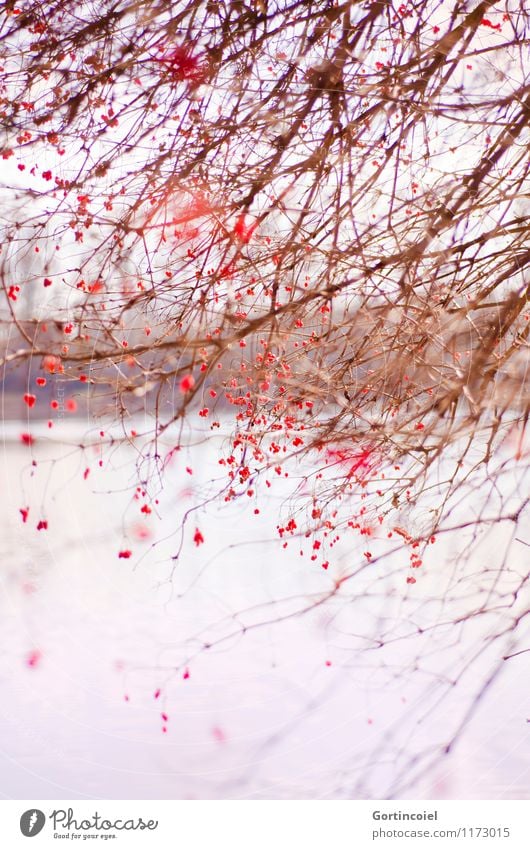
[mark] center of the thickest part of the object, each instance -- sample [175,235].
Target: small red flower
[24,511]
[125,554]
[198,538]
[52,364]
[487,23]
[42,525]
[243,230]
[29,399]
[33,658]
[71,405]
[27,438]
[184,65]
[187,383]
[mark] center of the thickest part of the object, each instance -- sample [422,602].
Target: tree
[306,218]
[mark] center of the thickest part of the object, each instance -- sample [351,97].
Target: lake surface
[284,703]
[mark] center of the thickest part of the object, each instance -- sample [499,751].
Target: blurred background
[239,670]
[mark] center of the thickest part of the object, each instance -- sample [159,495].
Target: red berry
[187,383]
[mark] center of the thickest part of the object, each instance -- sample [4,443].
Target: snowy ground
[292,709]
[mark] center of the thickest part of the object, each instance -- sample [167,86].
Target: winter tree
[300,230]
